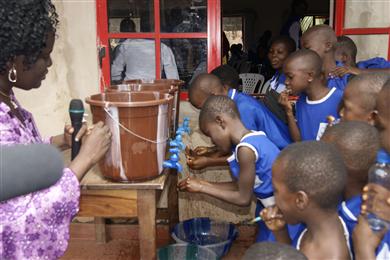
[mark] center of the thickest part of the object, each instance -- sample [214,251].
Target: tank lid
[383,156]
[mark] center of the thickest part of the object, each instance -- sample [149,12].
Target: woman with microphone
[36,225]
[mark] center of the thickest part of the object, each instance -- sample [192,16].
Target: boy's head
[216,120]
[383,119]
[308,176]
[273,251]
[203,86]
[301,68]
[346,51]
[359,99]
[228,76]
[321,39]
[280,48]
[358,143]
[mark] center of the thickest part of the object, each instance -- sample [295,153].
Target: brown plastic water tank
[138,122]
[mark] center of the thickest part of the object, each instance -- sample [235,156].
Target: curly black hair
[24,25]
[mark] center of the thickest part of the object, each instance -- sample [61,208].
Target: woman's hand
[95,144]
[273,218]
[191,184]
[64,141]
[283,100]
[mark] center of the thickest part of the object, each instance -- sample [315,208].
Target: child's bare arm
[292,124]
[201,162]
[365,241]
[239,193]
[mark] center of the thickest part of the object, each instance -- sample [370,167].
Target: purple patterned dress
[36,225]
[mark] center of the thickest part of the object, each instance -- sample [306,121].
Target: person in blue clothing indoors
[346,52]
[254,115]
[316,101]
[358,144]
[250,163]
[322,39]
[368,244]
[360,95]
[308,180]
[280,48]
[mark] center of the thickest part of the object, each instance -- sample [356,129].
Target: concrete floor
[122,242]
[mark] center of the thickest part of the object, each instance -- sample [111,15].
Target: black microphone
[28,168]
[76,112]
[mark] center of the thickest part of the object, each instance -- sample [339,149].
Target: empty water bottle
[379,174]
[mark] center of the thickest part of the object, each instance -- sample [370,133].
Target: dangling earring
[12,75]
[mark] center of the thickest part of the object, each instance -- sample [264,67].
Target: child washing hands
[250,163]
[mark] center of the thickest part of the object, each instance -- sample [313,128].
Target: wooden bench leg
[146,206]
[173,201]
[100,230]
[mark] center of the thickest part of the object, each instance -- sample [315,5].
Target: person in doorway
[136,59]
[292,27]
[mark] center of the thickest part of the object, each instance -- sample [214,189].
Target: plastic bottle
[379,174]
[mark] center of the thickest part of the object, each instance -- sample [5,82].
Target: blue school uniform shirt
[277,82]
[374,63]
[256,116]
[349,211]
[312,116]
[338,82]
[266,153]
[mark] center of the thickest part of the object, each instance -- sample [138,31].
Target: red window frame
[213,37]
[341,30]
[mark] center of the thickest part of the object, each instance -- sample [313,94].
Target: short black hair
[216,105]
[24,26]
[346,46]
[127,25]
[287,41]
[358,143]
[368,85]
[228,75]
[273,251]
[309,59]
[204,83]
[317,168]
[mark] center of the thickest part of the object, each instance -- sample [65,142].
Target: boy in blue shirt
[359,99]
[250,163]
[254,115]
[358,143]
[322,39]
[308,180]
[346,52]
[316,101]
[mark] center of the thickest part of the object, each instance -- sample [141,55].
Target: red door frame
[341,30]
[213,37]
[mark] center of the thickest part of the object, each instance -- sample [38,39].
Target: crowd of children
[312,194]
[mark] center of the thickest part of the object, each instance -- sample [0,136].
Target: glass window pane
[368,13]
[183,16]
[370,46]
[132,59]
[130,15]
[190,55]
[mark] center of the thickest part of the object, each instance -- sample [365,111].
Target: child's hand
[201,151]
[273,218]
[191,184]
[365,241]
[376,199]
[341,71]
[283,100]
[197,163]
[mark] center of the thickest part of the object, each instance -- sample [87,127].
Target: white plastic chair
[265,87]
[250,81]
